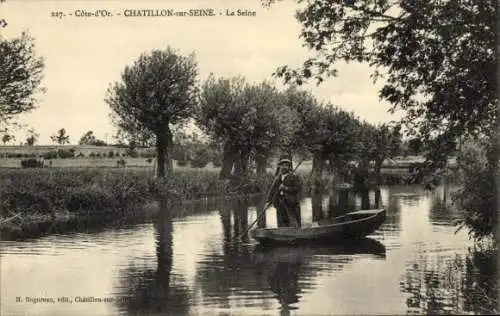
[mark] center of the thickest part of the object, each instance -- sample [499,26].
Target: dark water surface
[189,261]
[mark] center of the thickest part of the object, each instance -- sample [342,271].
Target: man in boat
[284,194]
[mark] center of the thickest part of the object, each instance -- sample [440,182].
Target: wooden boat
[344,228]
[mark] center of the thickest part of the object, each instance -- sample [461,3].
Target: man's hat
[285,158]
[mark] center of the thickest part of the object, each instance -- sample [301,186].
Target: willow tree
[249,119]
[325,131]
[270,124]
[20,77]
[219,115]
[159,89]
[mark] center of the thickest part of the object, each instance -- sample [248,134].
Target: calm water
[189,261]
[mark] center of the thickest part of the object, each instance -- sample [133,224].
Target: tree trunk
[261,162]
[227,161]
[317,207]
[378,198]
[261,216]
[161,150]
[365,199]
[163,147]
[378,172]
[317,169]
[241,163]
[169,153]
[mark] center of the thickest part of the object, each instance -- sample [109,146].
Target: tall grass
[46,191]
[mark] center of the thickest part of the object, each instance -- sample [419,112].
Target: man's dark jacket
[287,200]
[290,194]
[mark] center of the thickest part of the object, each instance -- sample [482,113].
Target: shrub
[50,155]
[182,162]
[200,158]
[111,154]
[31,163]
[217,160]
[62,153]
[121,163]
[149,160]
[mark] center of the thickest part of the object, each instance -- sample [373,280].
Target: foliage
[20,77]
[50,155]
[182,162]
[248,119]
[32,137]
[63,154]
[60,137]
[126,135]
[201,157]
[7,138]
[415,146]
[379,143]
[478,195]
[157,90]
[437,60]
[103,190]
[481,296]
[89,139]
[31,163]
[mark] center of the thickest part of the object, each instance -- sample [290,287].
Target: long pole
[268,204]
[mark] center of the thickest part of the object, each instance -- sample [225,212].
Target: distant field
[111,163]
[391,166]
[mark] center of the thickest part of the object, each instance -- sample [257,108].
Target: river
[190,261]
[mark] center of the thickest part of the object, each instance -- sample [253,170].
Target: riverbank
[41,197]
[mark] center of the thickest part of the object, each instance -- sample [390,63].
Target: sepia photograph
[249,157]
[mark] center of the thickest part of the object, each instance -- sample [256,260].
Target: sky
[84,55]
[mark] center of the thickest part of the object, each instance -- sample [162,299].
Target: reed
[48,191]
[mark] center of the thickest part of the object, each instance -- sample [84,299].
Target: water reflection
[190,260]
[442,211]
[452,284]
[255,276]
[156,291]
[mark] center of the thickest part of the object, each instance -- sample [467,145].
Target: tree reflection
[156,291]
[438,285]
[244,275]
[340,202]
[378,198]
[481,285]
[317,207]
[442,212]
[283,280]
[293,270]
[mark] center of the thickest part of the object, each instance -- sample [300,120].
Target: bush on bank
[50,191]
[45,191]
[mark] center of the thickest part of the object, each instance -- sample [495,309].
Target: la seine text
[186,13]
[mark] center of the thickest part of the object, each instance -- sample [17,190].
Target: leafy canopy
[158,89]
[436,58]
[251,116]
[60,137]
[20,77]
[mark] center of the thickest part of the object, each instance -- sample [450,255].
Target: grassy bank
[41,197]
